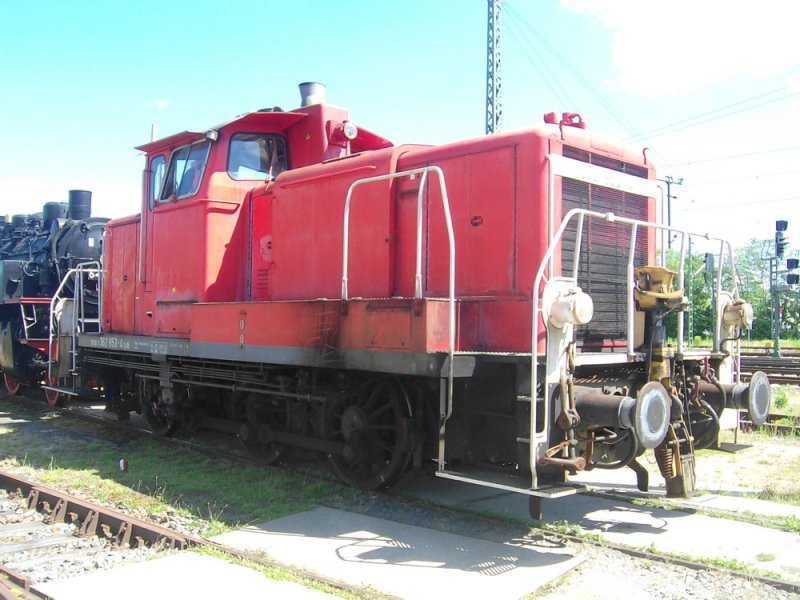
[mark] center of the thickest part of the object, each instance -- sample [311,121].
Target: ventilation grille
[261,284]
[604,249]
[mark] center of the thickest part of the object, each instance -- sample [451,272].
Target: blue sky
[712,88]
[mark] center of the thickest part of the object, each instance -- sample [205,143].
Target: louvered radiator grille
[604,249]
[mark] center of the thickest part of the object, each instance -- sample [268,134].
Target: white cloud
[162,104]
[683,46]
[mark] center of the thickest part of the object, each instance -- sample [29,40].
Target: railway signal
[777,287]
[791,265]
[781,241]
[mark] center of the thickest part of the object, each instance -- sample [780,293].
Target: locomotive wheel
[614,448]
[160,422]
[53,397]
[374,425]
[704,424]
[12,384]
[264,415]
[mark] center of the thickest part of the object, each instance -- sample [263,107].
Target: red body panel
[209,257]
[119,300]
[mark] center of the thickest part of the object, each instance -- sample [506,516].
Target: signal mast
[494,106]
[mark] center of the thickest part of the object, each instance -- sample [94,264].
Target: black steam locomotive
[37,251]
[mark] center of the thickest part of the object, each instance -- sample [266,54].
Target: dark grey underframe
[383,361]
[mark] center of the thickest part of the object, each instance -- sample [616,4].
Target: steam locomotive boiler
[495,307]
[37,252]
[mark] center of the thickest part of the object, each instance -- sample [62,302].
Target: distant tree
[752,274]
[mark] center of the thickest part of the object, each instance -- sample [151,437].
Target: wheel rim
[265,415]
[373,425]
[161,423]
[12,384]
[52,395]
[704,425]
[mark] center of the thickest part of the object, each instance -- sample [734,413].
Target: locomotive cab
[192,237]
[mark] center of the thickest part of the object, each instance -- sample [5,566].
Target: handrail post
[446,411]
[418,258]
[681,283]
[629,301]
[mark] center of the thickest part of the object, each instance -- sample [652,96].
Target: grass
[160,479]
[731,564]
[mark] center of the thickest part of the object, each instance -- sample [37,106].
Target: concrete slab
[644,527]
[752,506]
[181,575]
[404,560]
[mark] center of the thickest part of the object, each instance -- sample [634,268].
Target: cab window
[185,171]
[256,156]
[155,176]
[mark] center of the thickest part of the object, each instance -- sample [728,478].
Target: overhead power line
[696,183]
[751,202]
[717,114]
[732,156]
[541,66]
[533,38]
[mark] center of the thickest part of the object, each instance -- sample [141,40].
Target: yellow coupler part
[654,288]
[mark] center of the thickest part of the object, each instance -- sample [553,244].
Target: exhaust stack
[312,93]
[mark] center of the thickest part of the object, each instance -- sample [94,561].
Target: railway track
[45,534]
[784,586]
[779,370]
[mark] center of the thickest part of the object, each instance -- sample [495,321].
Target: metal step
[60,390]
[510,482]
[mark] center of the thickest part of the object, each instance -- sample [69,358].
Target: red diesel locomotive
[494,306]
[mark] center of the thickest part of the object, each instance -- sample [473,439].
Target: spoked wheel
[373,423]
[704,425]
[158,415]
[12,384]
[614,448]
[53,397]
[266,415]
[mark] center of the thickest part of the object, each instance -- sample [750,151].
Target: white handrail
[547,260]
[78,310]
[423,171]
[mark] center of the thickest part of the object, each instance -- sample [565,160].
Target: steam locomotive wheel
[12,384]
[704,424]
[53,397]
[373,423]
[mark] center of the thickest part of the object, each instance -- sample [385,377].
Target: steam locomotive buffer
[494,307]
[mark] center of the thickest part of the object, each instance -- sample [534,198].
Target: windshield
[185,170]
[256,156]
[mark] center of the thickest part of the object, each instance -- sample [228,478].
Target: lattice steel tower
[494,106]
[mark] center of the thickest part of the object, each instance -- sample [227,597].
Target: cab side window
[155,177]
[185,171]
[256,156]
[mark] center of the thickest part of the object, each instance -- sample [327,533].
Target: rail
[560,166]
[79,319]
[445,411]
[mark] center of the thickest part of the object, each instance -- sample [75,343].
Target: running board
[513,483]
[67,391]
